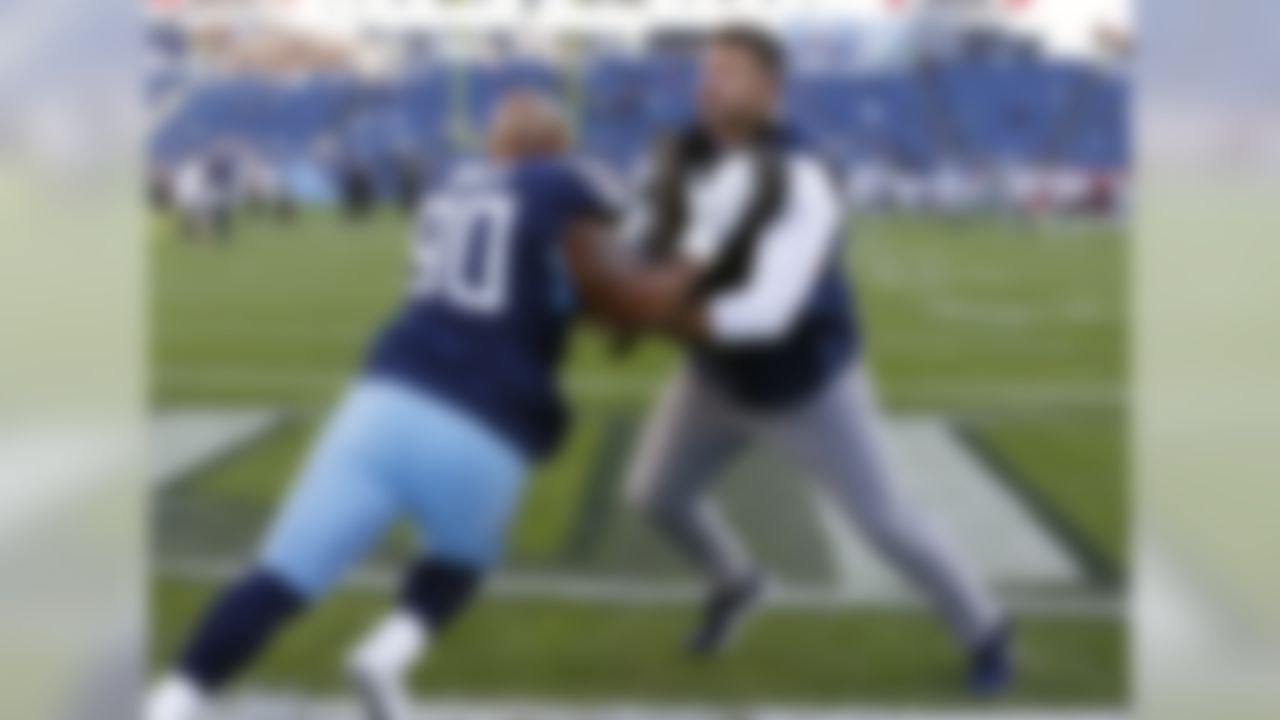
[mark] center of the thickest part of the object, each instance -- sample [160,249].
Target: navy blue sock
[238,627]
[436,591]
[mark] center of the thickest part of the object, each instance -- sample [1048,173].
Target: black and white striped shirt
[766,224]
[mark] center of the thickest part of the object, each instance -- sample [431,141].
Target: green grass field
[1015,333]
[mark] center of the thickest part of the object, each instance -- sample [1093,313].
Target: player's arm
[624,295]
[789,258]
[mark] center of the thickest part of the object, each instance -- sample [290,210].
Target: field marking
[1015,319]
[973,505]
[846,549]
[1085,394]
[968,503]
[186,440]
[1085,310]
[259,706]
[623,591]
[1006,543]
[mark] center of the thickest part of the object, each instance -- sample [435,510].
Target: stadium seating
[1033,111]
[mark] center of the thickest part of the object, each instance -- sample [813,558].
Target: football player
[456,400]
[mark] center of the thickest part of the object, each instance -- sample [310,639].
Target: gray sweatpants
[837,437]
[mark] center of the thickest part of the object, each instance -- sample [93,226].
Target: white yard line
[624,591]
[846,549]
[970,506]
[612,385]
[975,509]
[186,439]
[252,706]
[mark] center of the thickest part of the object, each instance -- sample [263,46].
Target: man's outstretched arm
[625,295]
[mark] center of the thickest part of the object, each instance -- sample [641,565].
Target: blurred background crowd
[961,118]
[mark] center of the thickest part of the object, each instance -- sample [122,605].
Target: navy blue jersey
[491,301]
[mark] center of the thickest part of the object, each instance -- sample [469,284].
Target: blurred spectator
[411,174]
[358,189]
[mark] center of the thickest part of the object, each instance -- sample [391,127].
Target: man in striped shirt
[774,354]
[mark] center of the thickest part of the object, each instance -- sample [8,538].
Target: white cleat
[379,666]
[383,697]
[175,698]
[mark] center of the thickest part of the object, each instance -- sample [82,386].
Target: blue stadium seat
[990,108]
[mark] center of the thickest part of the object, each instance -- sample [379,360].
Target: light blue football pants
[392,452]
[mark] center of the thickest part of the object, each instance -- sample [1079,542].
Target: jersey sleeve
[792,253]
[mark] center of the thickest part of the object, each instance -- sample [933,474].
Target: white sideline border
[606,385]
[643,593]
[254,706]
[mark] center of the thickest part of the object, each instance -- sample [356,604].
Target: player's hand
[669,289]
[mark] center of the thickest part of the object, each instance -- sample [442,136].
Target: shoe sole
[373,702]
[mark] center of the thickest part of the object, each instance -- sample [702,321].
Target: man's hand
[664,291]
[630,297]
